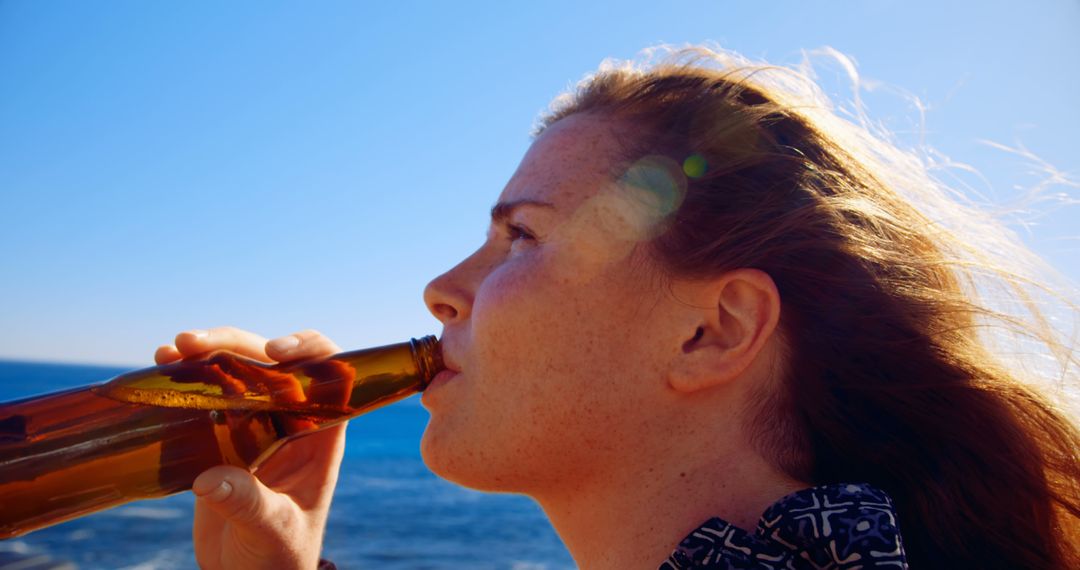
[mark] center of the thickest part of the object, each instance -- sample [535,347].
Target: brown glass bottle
[149,433]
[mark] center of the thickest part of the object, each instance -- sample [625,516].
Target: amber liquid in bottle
[151,432]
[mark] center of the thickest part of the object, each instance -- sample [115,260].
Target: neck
[635,516]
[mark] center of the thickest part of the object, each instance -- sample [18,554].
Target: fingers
[241,523]
[240,498]
[167,353]
[304,344]
[246,343]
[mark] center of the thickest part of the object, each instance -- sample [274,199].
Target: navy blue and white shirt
[840,527]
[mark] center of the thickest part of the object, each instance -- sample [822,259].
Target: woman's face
[558,324]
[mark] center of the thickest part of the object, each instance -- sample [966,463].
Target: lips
[433,391]
[449,359]
[450,367]
[442,377]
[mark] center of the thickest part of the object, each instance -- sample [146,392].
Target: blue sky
[280,166]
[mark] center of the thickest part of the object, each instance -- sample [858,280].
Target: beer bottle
[151,432]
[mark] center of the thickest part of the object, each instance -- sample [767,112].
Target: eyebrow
[503,210]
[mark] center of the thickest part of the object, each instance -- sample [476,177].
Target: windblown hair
[887,282]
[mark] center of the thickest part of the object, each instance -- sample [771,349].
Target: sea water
[388,511]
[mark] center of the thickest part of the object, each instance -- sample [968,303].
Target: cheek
[559,340]
[517,315]
[539,317]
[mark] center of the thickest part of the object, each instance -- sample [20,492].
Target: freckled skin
[556,339]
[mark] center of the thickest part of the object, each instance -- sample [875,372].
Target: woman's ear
[735,316]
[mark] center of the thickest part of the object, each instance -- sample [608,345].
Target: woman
[710,328]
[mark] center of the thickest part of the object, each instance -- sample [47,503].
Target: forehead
[568,163]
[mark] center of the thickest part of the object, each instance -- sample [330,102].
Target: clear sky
[279,166]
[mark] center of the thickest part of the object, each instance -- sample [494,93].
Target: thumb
[238,496]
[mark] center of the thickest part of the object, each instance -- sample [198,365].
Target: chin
[472,468]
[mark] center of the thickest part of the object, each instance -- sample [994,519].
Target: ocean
[389,511]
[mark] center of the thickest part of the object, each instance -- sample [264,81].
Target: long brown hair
[891,377]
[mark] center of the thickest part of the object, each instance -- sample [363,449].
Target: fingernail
[285,343]
[199,334]
[220,493]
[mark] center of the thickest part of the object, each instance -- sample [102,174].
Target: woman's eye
[517,233]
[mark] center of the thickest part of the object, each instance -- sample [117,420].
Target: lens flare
[695,166]
[657,182]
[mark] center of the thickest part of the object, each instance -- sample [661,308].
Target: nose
[447,298]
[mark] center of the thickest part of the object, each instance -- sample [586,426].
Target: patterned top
[841,527]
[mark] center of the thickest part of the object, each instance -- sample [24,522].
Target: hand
[277,519]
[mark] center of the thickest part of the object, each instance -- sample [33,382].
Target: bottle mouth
[428,354]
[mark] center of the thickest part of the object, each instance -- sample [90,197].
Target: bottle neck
[427,353]
[359,381]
